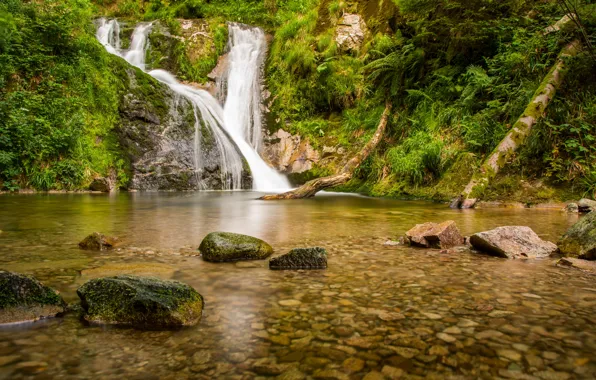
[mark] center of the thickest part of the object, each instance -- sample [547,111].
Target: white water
[242,126]
[242,112]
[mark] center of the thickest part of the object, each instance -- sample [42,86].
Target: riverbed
[377,310]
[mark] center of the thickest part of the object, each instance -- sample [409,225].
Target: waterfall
[242,109]
[240,119]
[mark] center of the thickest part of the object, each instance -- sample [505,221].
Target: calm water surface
[377,312]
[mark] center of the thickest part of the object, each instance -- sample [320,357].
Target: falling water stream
[239,119]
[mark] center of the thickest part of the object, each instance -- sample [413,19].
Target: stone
[23,299]
[586,205]
[392,372]
[301,258]
[435,235]
[374,375]
[586,265]
[289,153]
[512,242]
[330,374]
[350,32]
[291,374]
[353,365]
[141,302]
[509,355]
[446,337]
[98,242]
[572,208]
[101,184]
[228,246]
[580,239]
[290,302]
[438,350]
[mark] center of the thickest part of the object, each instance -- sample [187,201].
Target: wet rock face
[228,246]
[98,242]
[580,240]
[512,242]
[301,258]
[289,153]
[435,235]
[23,298]
[157,133]
[141,302]
[350,32]
[101,184]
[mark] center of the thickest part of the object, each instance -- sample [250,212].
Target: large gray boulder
[141,302]
[512,242]
[586,205]
[435,235]
[23,299]
[228,246]
[301,258]
[580,240]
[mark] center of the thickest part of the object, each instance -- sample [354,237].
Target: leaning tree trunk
[310,188]
[498,159]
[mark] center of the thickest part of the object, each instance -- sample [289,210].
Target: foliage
[58,98]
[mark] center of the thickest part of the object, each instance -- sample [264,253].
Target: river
[377,308]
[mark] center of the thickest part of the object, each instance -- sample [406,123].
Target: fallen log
[310,188]
[518,135]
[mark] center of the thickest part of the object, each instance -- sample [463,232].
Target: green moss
[227,246]
[18,290]
[141,302]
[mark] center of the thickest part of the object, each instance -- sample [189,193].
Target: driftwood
[517,136]
[310,188]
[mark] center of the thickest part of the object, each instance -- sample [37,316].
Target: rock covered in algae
[435,235]
[301,258]
[228,246]
[98,242]
[23,298]
[580,239]
[142,302]
[512,242]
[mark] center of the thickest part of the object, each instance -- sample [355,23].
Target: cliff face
[157,133]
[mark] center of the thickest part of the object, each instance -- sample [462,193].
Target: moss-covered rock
[141,302]
[23,298]
[580,240]
[98,242]
[301,258]
[228,246]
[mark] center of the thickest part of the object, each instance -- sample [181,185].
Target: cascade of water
[239,121]
[242,109]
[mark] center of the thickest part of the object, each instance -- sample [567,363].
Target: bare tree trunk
[519,133]
[312,187]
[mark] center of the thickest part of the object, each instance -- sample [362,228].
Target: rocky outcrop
[228,246]
[301,258]
[288,153]
[350,32]
[580,240]
[435,235]
[98,242]
[586,205]
[141,302]
[102,184]
[157,133]
[23,299]
[512,242]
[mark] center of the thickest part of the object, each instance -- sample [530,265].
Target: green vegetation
[459,73]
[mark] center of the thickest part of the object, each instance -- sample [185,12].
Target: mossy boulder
[23,298]
[580,240]
[228,246]
[141,302]
[98,242]
[301,258]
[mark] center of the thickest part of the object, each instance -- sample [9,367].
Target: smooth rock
[142,302]
[586,205]
[512,242]
[435,235]
[580,240]
[228,246]
[101,184]
[586,265]
[301,258]
[98,242]
[23,298]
